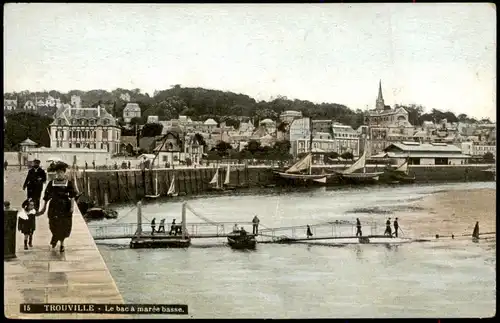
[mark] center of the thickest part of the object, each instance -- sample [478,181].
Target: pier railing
[330,229]
[195,230]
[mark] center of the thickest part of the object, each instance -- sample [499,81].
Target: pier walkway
[337,230]
[42,275]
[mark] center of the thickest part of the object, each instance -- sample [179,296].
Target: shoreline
[451,212]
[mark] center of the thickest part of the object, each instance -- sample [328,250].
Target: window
[105,122]
[60,122]
[70,145]
[164,158]
[441,161]
[77,145]
[414,161]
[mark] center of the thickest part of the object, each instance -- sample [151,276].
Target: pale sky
[442,56]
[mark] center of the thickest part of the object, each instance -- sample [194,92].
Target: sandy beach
[451,212]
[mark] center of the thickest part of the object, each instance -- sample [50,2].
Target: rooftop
[418,147]
[132,107]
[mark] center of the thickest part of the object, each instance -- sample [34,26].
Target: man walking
[388,230]
[153,225]
[396,227]
[255,225]
[358,228]
[34,183]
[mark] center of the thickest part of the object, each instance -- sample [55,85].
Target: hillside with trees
[197,103]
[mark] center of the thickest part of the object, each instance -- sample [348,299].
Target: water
[435,279]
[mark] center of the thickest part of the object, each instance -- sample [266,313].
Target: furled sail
[228,175]
[360,163]
[303,164]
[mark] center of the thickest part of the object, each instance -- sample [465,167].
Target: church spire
[380,99]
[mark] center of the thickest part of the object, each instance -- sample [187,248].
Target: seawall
[124,185]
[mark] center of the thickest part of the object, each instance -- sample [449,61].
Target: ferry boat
[241,240]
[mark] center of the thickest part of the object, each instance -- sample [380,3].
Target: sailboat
[302,170]
[156,194]
[227,180]
[350,176]
[171,190]
[216,183]
[401,174]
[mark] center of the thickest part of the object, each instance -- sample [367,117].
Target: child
[27,222]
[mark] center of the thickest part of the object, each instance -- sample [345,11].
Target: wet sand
[452,212]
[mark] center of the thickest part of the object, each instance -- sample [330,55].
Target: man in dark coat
[358,228]
[34,183]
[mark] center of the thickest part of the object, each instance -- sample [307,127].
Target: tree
[152,130]
[23,125]
[222,148]
[253,146]
[199,138]
[347,155]
[136,121]
[489,157]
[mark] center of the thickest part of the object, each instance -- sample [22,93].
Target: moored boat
[171,190]
[350,176]
[155,195]
[302,172]
[238,240]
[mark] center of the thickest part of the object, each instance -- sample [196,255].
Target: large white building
[84,128]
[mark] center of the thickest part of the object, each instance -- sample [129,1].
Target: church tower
[380,99]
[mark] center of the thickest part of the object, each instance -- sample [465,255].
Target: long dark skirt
[60,226]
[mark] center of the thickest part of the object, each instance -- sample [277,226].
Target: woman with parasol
[61,194]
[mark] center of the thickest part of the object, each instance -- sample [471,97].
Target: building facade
[131,110]
[85,128]
[424,154]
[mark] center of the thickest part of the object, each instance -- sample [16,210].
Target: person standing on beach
[396,227]
[475,232]
[61,194]
[358,228]
[5,164]
[388,230]
[34,183]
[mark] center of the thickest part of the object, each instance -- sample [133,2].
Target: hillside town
[89,134]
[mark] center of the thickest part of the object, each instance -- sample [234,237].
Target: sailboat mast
[310,144]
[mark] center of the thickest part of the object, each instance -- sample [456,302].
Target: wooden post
[183,220]
[118,186]
[138,232]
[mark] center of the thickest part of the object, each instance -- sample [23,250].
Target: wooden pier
[338,232]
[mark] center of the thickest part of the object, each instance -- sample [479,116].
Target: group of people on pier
[255,227]
[388,229]
[175,228]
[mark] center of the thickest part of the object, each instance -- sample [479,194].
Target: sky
[441,56]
